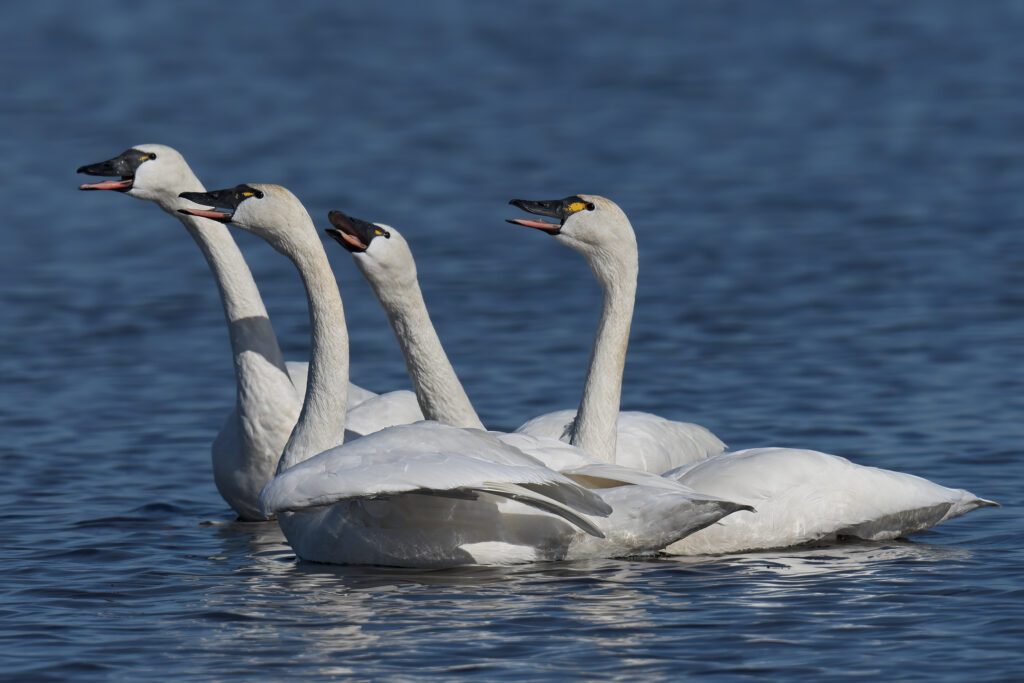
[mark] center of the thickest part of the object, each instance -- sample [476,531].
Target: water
[828,202]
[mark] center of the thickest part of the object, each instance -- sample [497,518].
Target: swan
[382,255]
[801,496]
[630,438]
[269,390]
[804,496]
[427,494]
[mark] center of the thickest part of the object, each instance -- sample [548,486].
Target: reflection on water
[541,612]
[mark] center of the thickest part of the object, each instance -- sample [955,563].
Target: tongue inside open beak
[356,243]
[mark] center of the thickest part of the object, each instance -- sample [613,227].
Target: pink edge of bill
[215,215]
[107,185]
[530,223]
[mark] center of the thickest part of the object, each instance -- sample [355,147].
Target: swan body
[456,510]
[647,507]
[643,505]
[801,496]
[643,440]
[269,391]
[598,229]
[424,494]
[804,496]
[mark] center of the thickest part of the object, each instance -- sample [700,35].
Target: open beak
[216,198]
[542,208]
[353,234]
[117,166]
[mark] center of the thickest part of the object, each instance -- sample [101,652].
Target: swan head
[594,226]
[379,251]
[155,172]
[268,211]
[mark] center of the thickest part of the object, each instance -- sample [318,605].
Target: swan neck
[321,423]
[261,378]
[595,428]
[249,327]
[439,392]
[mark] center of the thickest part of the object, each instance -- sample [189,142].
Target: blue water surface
[829,201]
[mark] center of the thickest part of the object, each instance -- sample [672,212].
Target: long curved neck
[595,428]
[321,423]
[249,325]
[439,392]
[264,394]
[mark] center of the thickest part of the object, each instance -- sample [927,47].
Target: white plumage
[644,440]
[800,496]
[599,230]
[804,496]
[269,391]
[424,494]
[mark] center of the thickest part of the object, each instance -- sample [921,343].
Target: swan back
[805,496]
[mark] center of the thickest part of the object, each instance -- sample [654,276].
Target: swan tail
[968,501]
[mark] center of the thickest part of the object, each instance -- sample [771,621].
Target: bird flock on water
[415,479]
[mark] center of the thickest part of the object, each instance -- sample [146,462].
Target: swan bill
[352,233]
[219,216]
[123,165]
[553,208]
[228,198]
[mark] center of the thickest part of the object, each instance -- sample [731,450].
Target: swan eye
[590,206]
[258,194]
[384,233]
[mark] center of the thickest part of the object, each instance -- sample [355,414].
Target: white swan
[806,496]
[631,438]
[383,257]
[269,391]
[425,494]
[800,496]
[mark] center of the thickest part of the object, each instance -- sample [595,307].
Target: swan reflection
[337,616]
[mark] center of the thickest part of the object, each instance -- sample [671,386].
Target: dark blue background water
[829,200]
